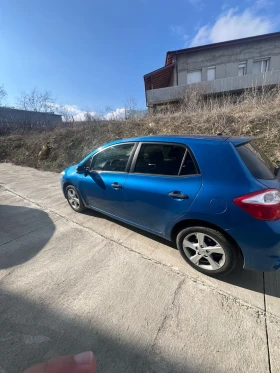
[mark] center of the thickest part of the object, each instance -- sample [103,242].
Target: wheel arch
[197,222]
[65,185]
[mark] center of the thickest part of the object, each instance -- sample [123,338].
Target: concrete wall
[23,116]
[230,84]
[227,58]
[173,80]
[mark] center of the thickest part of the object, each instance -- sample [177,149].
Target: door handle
[116,185]
[178,195]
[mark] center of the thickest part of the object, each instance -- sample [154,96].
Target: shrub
[255,113]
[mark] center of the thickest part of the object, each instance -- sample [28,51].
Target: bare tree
[89,116]
[130,103]
[114,114]
[67,113]
[131,109]
[36,101]
[3,94]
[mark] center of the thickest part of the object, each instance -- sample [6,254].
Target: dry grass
[255,113]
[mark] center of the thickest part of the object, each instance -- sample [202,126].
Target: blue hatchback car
[215,197]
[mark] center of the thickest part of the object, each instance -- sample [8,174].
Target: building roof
[161,78]
[15,110]
[220,44]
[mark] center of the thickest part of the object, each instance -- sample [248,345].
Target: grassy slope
[255,115]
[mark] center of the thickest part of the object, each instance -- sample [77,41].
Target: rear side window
[188,167]
[164,159]
[256,161]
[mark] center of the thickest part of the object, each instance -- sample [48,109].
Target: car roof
[189,138]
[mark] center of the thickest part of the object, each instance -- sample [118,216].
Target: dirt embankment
[255,114]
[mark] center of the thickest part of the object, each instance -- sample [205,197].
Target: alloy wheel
[204,251]
[73,198]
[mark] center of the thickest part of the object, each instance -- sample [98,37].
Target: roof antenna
[222,132]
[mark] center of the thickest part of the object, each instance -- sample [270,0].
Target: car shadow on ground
[262,282]
[152,236]
[248,279]
[21,234]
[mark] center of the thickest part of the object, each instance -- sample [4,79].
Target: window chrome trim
[111,146]
[183,160]
[163,175]
[165,143]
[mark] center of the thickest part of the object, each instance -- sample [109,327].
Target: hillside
[254,114]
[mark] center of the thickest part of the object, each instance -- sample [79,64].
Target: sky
[92,55]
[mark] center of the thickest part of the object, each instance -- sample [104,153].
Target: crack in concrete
[258,312]
[266,330]
[167,314]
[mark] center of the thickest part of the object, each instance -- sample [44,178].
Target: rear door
[162,184]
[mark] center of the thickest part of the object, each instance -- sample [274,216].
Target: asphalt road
[73,282]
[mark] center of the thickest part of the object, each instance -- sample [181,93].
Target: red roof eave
[159,78]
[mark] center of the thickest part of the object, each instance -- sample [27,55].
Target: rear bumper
[260,244]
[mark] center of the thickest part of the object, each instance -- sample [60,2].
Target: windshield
[256,161]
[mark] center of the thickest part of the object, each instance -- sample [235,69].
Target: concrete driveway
[74,282]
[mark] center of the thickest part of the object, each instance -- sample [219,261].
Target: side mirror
[81,169]
[92,172]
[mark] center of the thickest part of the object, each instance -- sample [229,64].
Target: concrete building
[16,116]
[230,66]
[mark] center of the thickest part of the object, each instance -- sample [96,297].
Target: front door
[161,187]
[103,188]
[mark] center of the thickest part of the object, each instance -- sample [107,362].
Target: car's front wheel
[74,199]
[207,250]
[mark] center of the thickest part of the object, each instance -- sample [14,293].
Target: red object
[262,205]
[159,78]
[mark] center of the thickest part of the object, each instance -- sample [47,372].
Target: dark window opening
[164,159]
[87,163]
[256,161]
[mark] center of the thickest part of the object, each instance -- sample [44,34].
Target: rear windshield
[257,162]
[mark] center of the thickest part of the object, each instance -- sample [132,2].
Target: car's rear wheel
[74,199]
[207,250]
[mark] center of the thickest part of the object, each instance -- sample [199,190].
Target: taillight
[262,205]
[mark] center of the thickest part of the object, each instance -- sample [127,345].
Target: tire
[74,199]
[207,250]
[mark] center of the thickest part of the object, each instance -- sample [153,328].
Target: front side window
[211,73]
[87,163]
[194,76]
[242,68]
[164,159]
[114,158]
[260,66]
